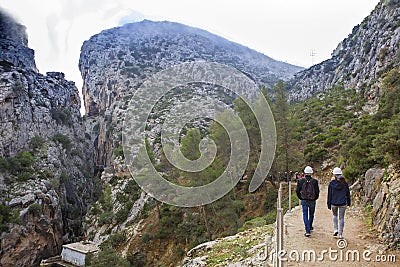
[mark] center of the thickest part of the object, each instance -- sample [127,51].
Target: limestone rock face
[45,161]
[38,235]
[359,61]
[14,44]
[381,190]
[115,62]
[373,179]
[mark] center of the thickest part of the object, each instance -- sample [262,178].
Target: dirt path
[356,234]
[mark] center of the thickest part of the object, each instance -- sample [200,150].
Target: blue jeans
[308,213]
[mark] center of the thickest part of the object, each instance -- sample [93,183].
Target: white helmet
[308,170]
[337,171]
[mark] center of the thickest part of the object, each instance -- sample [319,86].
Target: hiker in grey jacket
[338,200]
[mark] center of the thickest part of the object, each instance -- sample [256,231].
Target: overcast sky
[286,30]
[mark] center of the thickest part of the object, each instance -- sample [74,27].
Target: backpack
[308,190]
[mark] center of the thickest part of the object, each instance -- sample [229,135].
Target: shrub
[16,165]
[119,151]
[256,222]
[114,180]
[63,116]
[14,216]
[64,178]
[3,164]
[114,240]
[123,213]
[35,208]
[106,200]
[96,128]
[121,197]
[136,259]
[55,183]
[95,210]
[63,140]
[105,258]
[46,174]
[7,215]
[317,155]
[331,141]
[132,189]
[37,142]
[18,88]
[25,176]
[106,218]
[146,237]
[26,159]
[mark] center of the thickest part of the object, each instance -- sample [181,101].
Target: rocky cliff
[359,61]
[115,62]
[45,163]
[379,192]
[14,44]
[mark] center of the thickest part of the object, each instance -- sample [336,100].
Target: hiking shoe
[335,233]
[307,234]
[312,228]
[340,237]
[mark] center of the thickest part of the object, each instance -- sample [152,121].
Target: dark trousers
[308,207]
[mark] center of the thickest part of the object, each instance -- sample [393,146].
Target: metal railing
[279,227]
[280,221]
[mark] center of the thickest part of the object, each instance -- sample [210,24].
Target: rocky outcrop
[39,232]
[14,44]
[118,60]
[380,193]
[115,62]
[46,180]
[252,247]
[359,61]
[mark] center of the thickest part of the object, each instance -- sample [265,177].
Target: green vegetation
[105,258]
[288,156]
[122,214]
[374,140]
[35,208]
[106,200]
[26,176]
[226,250]
[37,142]
[192,226]
[114,240]
[63,140]
[20,165]
[119,151]
[7,215]
[63,116]
[18,88]
[106,218]
[126,197]
[335,127]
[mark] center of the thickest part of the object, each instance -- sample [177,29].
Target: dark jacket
[302,181]
[338,195]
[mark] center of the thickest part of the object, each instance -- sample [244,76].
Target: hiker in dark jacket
[338,200]
[307,191]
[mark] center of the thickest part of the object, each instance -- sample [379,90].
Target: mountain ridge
[359,60]
[75,150]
